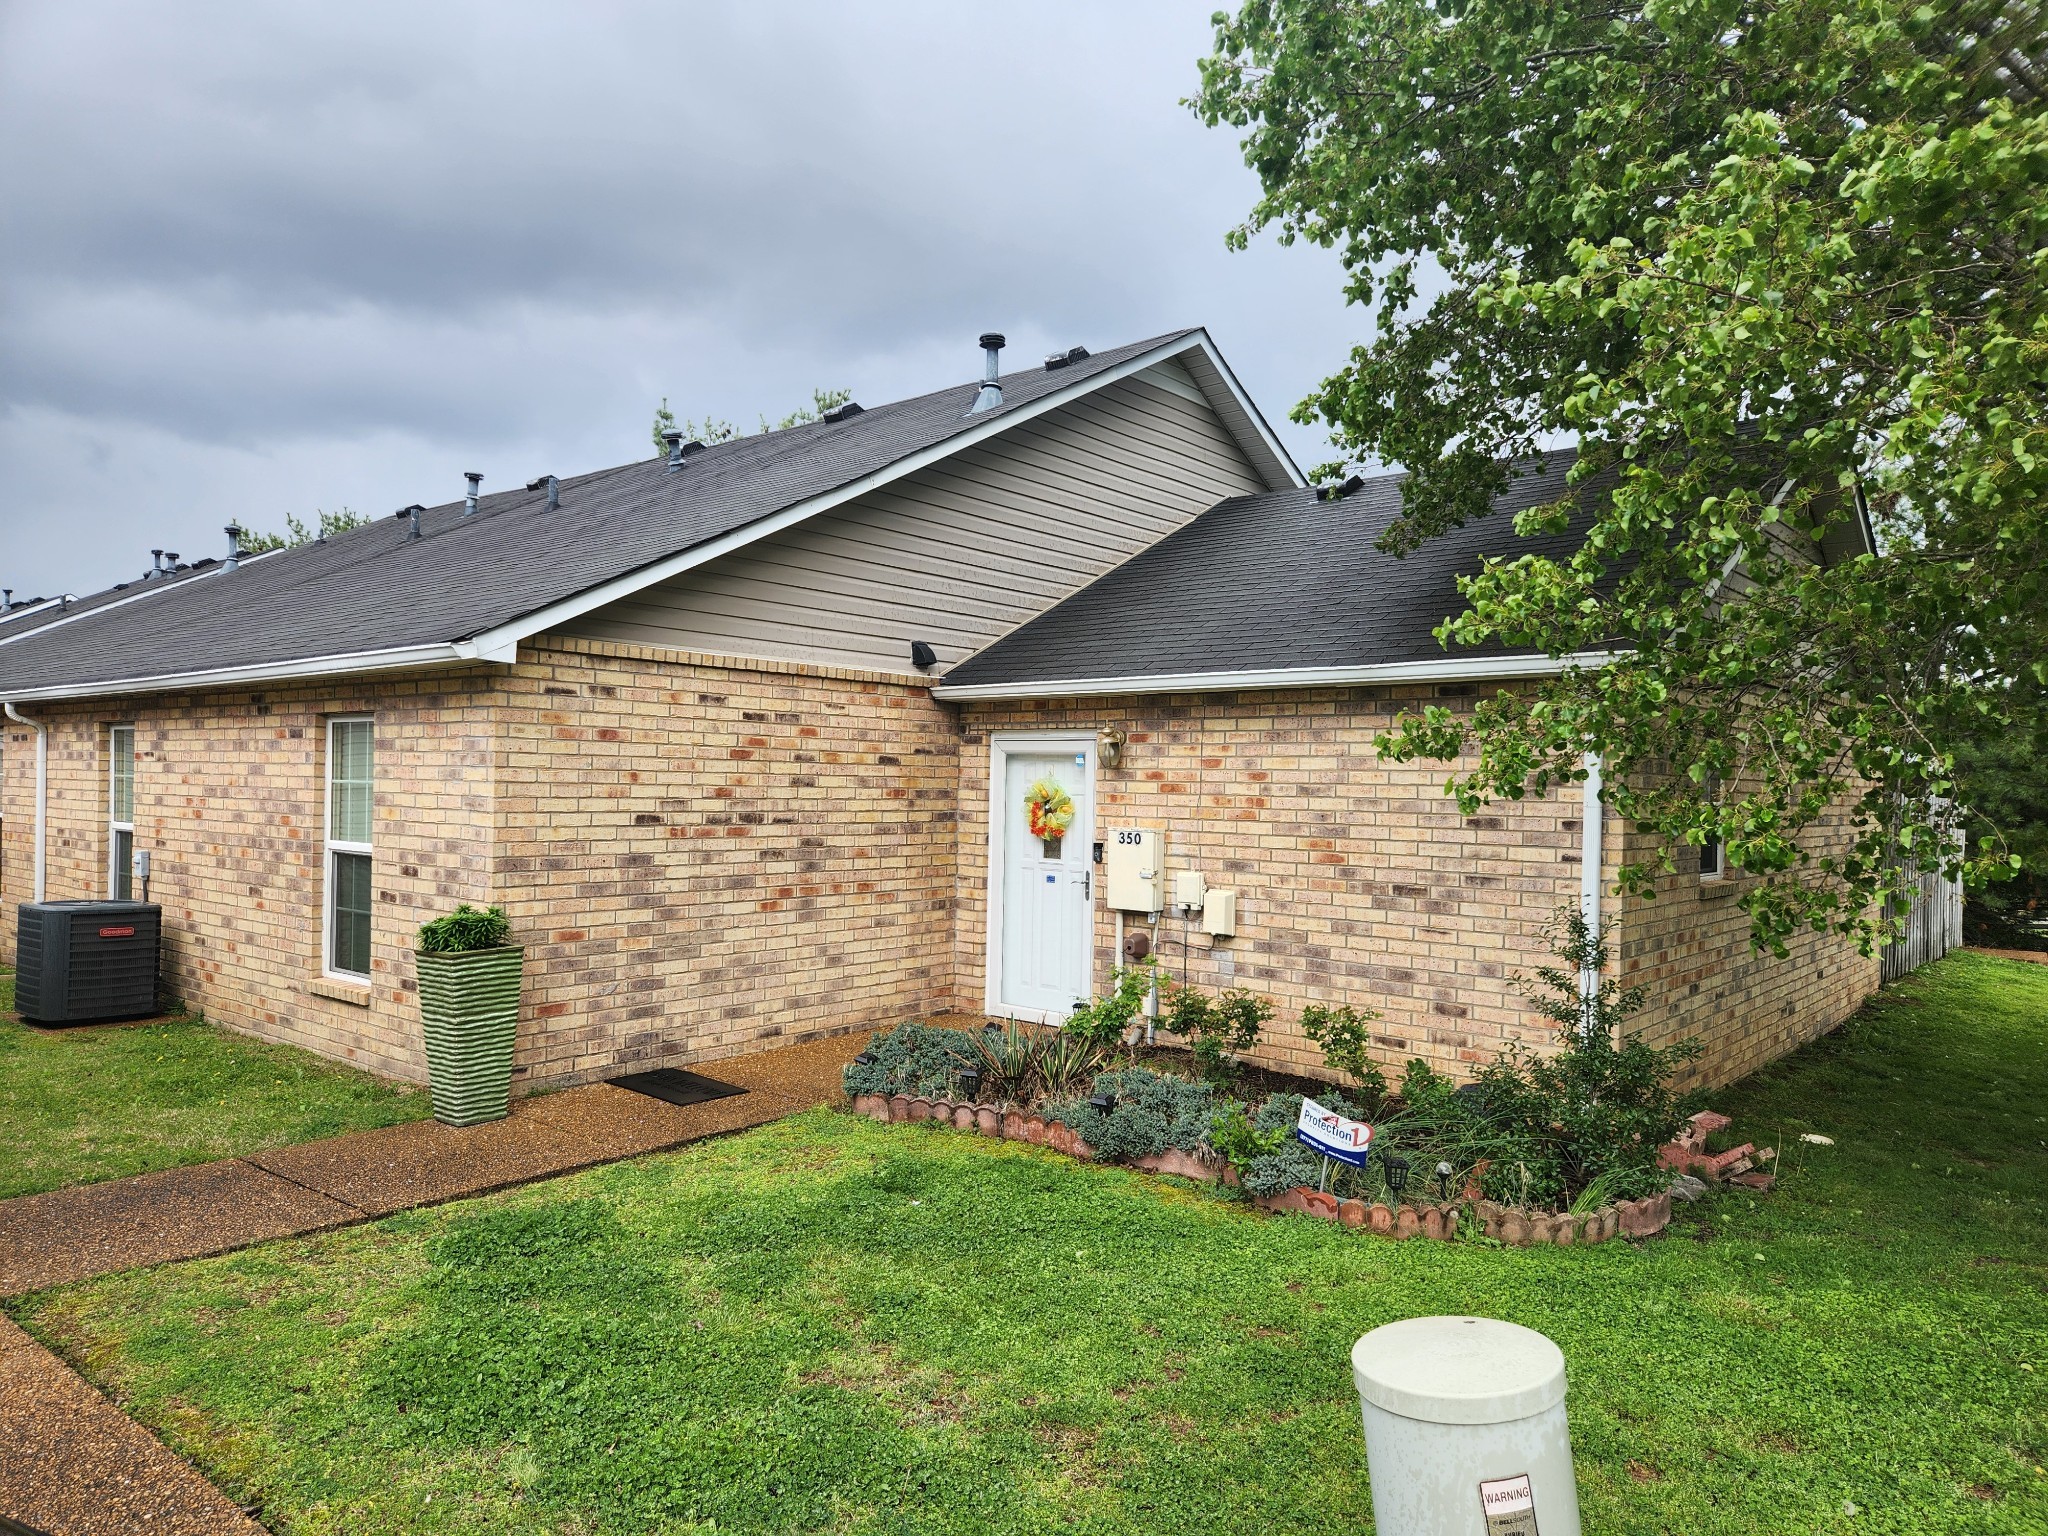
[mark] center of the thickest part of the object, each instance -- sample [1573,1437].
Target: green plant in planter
[469,1011]
[465,928]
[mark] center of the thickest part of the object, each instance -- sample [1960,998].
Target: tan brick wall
[703,854]
[1357,880]
[1689,948]
[229,799]
[707,854]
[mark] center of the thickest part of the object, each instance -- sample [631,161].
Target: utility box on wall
[1134,869]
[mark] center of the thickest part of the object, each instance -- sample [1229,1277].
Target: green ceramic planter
[469,1005]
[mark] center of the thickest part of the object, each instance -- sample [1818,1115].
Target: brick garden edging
[1402,1221]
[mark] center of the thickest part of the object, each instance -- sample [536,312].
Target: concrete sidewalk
[75,1465]
[73,1234]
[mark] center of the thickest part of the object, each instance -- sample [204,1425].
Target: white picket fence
[1933,927]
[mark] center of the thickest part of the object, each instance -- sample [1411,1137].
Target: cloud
[264,258]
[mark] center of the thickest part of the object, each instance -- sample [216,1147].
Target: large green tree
[1774,265]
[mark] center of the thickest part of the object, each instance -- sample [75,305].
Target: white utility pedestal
[1465,1429]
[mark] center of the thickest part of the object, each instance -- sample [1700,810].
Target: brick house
[739,740]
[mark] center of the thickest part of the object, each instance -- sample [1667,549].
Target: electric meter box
[1134,869]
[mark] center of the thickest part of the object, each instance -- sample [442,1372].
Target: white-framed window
[1713,857]
[120,812]
[351,796]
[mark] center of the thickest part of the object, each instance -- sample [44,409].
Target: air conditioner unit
[81,962]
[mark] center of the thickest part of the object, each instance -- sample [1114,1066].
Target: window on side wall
[1713,857]
[121,812]
[351,793]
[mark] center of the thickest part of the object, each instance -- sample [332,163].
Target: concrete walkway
[75,1465]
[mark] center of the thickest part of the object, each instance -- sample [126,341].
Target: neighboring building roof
[1276,590]
[472,587]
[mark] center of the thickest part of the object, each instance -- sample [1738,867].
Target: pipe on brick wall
[1591,824]
[42,792]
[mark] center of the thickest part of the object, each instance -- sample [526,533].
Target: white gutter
[557,614]
[1591,825]
[42,792]
[1436,669]
[440,654]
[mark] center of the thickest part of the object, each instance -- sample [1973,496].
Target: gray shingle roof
[373,589]
[1273,582]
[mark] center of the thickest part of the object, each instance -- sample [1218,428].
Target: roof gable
[471,587]
[1276,589]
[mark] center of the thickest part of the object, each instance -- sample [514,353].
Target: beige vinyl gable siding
[960,553]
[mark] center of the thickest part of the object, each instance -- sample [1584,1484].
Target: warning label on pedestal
[1509,1505]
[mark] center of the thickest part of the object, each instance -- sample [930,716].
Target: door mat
[672,1085]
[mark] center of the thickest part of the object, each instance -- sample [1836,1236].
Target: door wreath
[1049,811]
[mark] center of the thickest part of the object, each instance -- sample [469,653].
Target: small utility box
[1465,1429]
[1134,869]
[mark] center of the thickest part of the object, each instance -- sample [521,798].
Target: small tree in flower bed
[1216,1028]
[1343,1034]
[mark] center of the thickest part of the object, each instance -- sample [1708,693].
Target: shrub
[1104,1021]
[1591,1116]
[1023,1063]
[1154,1111]
[1342,1033]
[1262,1147]
[1216,1029]
[916,1059]
[465,928]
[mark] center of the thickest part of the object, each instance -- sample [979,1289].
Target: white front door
[1044,888]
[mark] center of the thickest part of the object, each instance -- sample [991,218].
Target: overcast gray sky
[260,259]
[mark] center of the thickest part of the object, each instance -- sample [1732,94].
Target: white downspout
[42,791]
[1591,824]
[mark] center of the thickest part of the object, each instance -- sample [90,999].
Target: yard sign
[1330,1134]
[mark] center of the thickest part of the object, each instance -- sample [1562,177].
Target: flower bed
[1578,1145]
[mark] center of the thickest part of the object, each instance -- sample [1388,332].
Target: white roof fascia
[1449,669]
[1253,421]
[397,659]
[544,619]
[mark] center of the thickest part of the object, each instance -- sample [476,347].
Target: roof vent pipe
[157,557]
[412,514]
[991,392]
[554,494]
[674,438]
[234,533]
[6,599]
[469,501]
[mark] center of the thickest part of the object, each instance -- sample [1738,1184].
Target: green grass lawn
[82,1105]
[828,1324]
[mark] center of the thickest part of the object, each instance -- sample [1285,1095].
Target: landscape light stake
[1397,1173]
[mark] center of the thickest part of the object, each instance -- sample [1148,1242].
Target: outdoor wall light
[1396,1170]
[1102,1103]
[1109,747]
